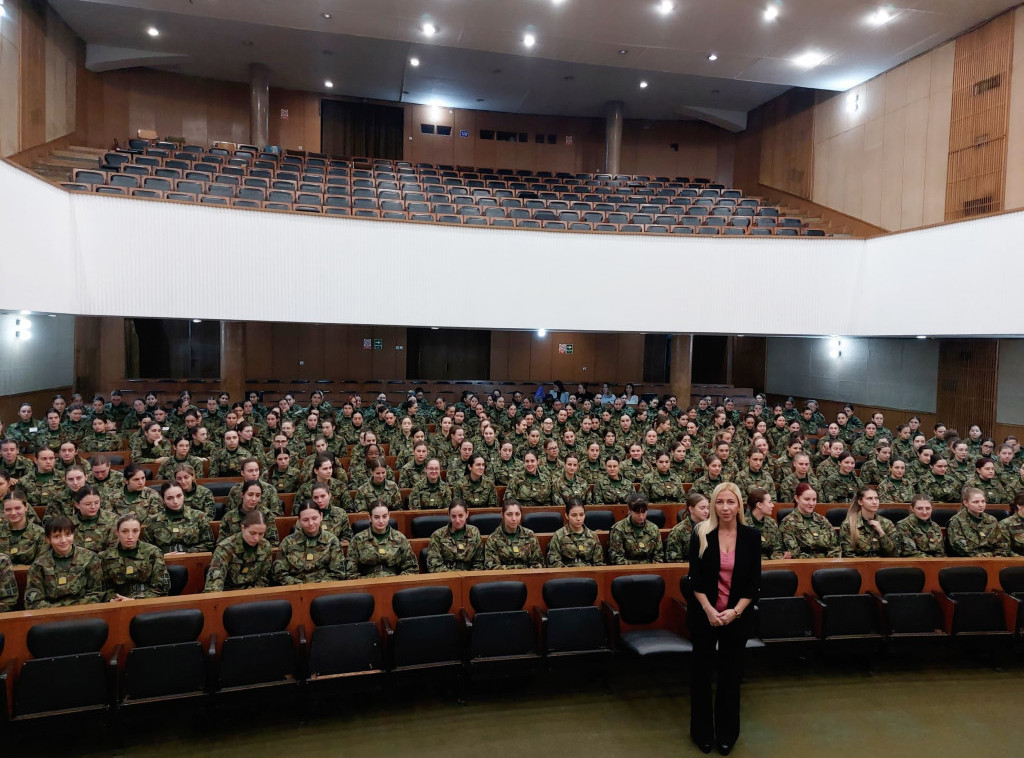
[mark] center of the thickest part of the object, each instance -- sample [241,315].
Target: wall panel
[1015,131]
[32,77]
[979,120]
[787,152]
[968,374]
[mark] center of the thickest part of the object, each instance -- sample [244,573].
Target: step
[96,151]
[82,158]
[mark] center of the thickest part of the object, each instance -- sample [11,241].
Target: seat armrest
[113,681]
[948,608]
[303,653]
[817,612]
[467,622]
[611,620]
[5,696]
[540,621]
[680,610]
[1011,607]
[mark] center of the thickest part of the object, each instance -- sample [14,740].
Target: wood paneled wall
[322,351]
[976,177]
[968,379]
[787,142]
[40,401]
[39,57]
[596,357]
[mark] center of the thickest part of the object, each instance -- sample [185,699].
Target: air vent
[426,128]
[985,85]
[444,131]
[978,206]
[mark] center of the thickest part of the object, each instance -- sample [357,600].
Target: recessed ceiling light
[542,332]
[712,57]
[921,337]
[429,29]
[328,83]
[529,40]
[3,12]
[414,62]
[197,321]
[623,51]
[771,12]
[665,7]
[153,31]
[643,85]
[810,59]
[880,17]
[326,15]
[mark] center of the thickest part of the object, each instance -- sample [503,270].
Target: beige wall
[38,78]
[1014,195]
[886,162]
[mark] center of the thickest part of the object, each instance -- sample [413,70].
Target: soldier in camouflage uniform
[380,487]
[43,484]
[242,561]
[333,518]
[866,444]
[324,474]
[456,547]
[512,546]
[635,540]
[917,536]
[937,485]
[270,502]
[985,480]
[99,440]
[197,497]
[181,453]
[380,550]
[591,467]
[806,533]
[895,488]
[677,544]
[135,497]
[12,464]
[8,585]
[570,485]
[574,544]
[133,569]
[476,489]
[175,527]
[972,533]
[755,476]
[24,430]
[231,522]
[151,447]
[64,574]
[961,466]
[430,493]
[1010,531]
[531,486]
[842,486]
[227,460]
[612,488]
[20,538]
[759,515]
[661,485]
[283,476]
[311,553]
[876,467]
[94,527]
[635,467]
[712,477]
[49,435]
[63,503]
[108,481]
[875,535]
[413,471]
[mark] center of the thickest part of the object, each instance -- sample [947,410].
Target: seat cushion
[644,642]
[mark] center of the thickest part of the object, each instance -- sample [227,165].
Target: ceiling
[477,58]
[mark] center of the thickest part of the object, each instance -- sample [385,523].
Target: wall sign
[565,348]
[367,344]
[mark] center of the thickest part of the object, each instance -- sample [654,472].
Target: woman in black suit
[725,578]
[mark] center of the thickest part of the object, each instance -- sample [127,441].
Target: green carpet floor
[819,710]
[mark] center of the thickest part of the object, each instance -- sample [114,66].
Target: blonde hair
[706,527]
[854,509]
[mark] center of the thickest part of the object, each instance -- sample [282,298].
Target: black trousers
[716,720]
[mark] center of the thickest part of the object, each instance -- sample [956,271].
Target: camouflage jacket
[95,534]
[481,494]
[809,536]
[426,496]
[22,547]
[303,559]
[1010,533]
[269,501]
[563,490]
[939,489]
[918,539]
[677,544]
[569,549]
[628,545]
[231,525]
[747,480]
[976,536]
[512,551]
[530,489]
[8,585]
[387,491]
[771,537]
[840,488]
[462,551]
[187,531]
[895,490]
[59,582]
[201,499]
[237,566]
[869,544]
[608,491]
[663,488]
[138,573]
[371,555]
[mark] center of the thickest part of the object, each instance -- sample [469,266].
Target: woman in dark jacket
[725,578]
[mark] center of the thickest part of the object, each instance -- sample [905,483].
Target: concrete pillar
[259,104]
[613,137]
[679,378]
[232,359]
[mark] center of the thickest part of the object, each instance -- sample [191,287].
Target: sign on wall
[565,348]
[284,114]
[378,344]
[367,344]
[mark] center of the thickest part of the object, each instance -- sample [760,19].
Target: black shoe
[704,745]
[725,748]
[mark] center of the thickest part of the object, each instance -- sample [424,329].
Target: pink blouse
[727,562]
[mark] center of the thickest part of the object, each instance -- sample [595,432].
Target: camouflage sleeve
[554,552]
[218,569]
[280,571]
[95,589]
[846,546]
[336,570]
[160,580]
[616,552]
[346,503]
[659,548]
[776,551]
[492,561]
[409,564]
[8,585]
[272,536]
[597,554]
[1000,542]
[536,556]
[835,551]
[789,541]
[905,545]
[674,551]
[206,541]
[887,541]
[477,562]
[957,538]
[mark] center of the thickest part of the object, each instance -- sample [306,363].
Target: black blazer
[746,573]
